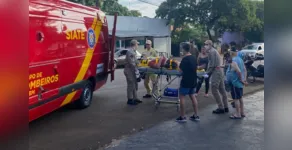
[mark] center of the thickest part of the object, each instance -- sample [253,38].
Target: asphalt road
[108,119]
[212,132]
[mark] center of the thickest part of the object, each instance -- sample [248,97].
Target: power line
[143,1]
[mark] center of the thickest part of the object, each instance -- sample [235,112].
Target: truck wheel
[86,96]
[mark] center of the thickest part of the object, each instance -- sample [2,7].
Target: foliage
[218,15]
[110,7]
[256,34]
[135,13]
[85,2]
[194,33]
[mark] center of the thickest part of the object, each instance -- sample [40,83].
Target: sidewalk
[213,132]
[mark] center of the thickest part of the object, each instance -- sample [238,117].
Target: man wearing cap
[149,52]
[236,79]
[132,74]
[217,79]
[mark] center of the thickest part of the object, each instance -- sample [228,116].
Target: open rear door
[113,45]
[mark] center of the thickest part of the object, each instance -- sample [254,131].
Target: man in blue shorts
[188,67]
[236,78]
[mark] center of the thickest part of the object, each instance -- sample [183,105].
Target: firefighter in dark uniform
[132,74]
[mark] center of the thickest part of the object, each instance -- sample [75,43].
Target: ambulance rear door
[74,38]
[45,52]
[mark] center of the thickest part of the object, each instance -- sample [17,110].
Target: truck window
[260,48]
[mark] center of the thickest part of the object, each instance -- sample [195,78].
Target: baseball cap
[133,42]
[209,42]
[148,42]
[233,49]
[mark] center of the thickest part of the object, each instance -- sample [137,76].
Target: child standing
[188,67]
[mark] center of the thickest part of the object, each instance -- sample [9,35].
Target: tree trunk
[173,30]
[209,34]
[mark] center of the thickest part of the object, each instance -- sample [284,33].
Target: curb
[249,93]
[254,91]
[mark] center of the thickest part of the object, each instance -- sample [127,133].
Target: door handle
[40,36]
[55,69]
[41,90]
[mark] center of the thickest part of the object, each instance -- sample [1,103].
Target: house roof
[128,26]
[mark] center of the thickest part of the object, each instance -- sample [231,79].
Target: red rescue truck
[70,54]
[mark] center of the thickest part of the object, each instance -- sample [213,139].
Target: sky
[143,6]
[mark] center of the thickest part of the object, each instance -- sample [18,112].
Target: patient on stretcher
[161,65]
[159,62]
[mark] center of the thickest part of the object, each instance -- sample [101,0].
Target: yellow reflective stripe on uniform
[170,64]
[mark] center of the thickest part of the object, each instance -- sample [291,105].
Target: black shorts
[236,93]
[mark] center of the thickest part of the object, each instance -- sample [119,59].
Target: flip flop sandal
[242,116]
[234,117]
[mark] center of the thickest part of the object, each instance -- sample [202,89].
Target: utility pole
[83,2]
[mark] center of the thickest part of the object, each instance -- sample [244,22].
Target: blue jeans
[186,91]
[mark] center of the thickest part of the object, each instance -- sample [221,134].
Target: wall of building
[228,37]
[128,26]
[163,45]
[140,28]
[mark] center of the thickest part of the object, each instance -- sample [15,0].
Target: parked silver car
[120,55]
[255,50]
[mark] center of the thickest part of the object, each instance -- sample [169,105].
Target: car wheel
[86,96]
[115,64]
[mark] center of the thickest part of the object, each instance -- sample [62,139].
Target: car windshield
[250,47]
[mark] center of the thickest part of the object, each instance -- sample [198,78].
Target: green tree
[256,34]
[188,32]
[218,15]
[135,13]
[85,2]
[110,7]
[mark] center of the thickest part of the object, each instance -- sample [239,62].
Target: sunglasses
[206,44]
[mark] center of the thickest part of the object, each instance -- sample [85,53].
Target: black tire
[115,64]
[86,97]
[249,75]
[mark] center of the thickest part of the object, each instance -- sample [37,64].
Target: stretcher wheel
[157,105]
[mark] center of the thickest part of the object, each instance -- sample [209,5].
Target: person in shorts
[236,78]
[188,67]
